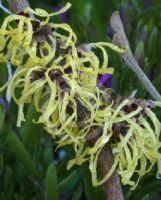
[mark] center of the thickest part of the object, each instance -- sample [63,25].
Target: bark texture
[112,187]
[17,6]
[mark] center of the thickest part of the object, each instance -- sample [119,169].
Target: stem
[4,9]
[18,6]
[112,187]
[121,40]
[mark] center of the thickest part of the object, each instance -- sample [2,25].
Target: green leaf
[2,196]
[149,189]
[51,183]
[90,191]
[78,192]
[9,183]
[157,82]
[1,163]
[20,152]
[139,51]
[69,182]
[4,133]
[31,131]
[152,46]
[1,118]
[47,154]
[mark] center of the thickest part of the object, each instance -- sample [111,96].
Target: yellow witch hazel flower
[61,78]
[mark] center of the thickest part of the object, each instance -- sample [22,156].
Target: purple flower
[104,80]
[147,4]
[110,31]
[63,16]
[4,104]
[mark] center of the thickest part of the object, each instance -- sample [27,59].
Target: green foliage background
[29,165]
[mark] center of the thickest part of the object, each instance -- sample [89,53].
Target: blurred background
[30,168]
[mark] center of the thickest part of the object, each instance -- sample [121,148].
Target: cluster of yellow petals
[63,84]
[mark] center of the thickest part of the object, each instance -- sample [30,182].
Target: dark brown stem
[18,6]
[112,187]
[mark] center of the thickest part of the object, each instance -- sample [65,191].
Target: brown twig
[120,39]
[18,6]
[112,187]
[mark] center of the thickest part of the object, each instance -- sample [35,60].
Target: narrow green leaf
[18,148]
[8,183]
[90,191]
[1,163]
[69,182]
[1,118]
[78,192]
[4,133]
[152,46]
[51,183]
[139,51]
[157,82]
[31,131]
[2,196]
[47,155]
[150,188]
[135,7]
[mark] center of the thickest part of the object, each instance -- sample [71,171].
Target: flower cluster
[63,80]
